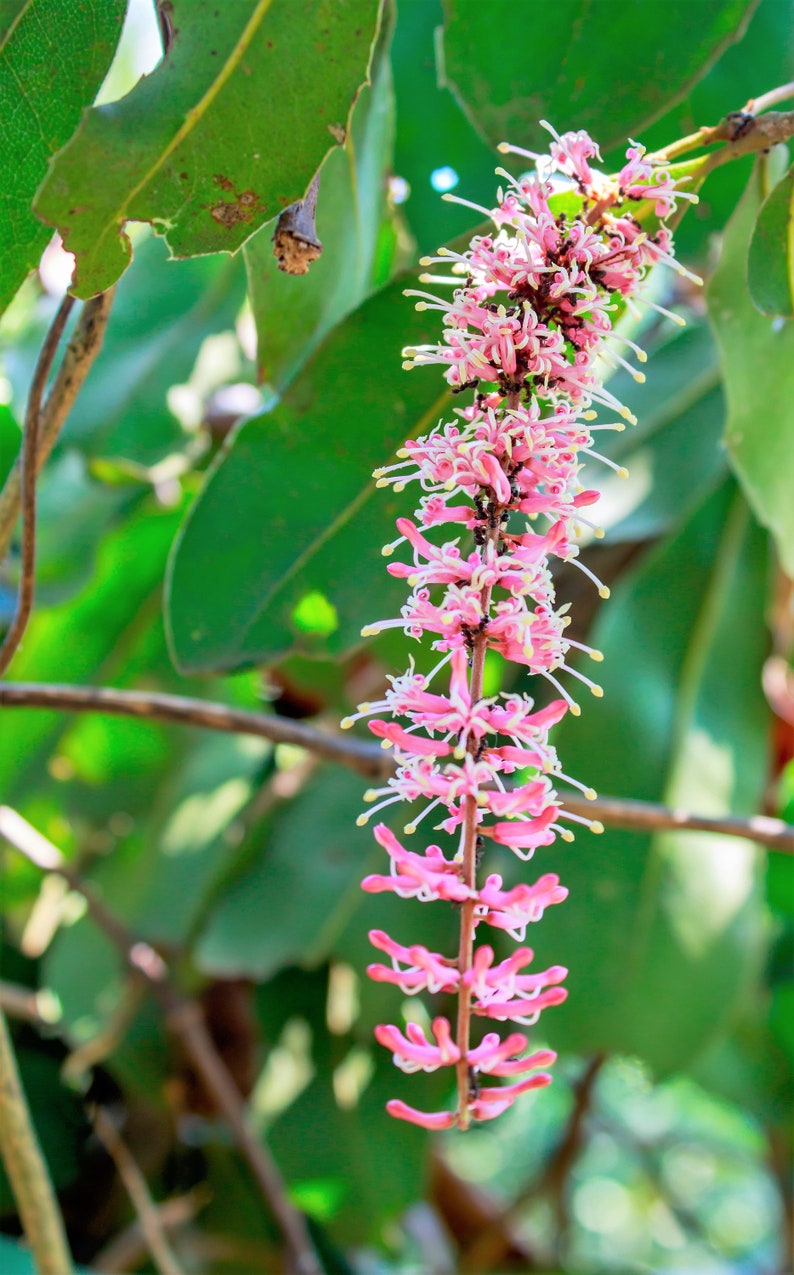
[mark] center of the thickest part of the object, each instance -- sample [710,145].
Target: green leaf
[585,68]
[298,481]
[16,1259]
[226,132]
[433,133]
[673,455]
[292,313]
[770,262]
[757,357]
[53,59]
[163,312]
[294,898]
[72,642]
[661,934]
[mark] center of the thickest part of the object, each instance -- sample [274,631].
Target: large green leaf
[298,483]
[225,133]
[758,366]
[289,905]
[54,55]
[673,455]
[763,55]
[661,933]
[770,263]
[293,314]
[433,134]
[611,73]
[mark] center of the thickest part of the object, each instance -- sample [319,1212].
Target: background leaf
[580,74]
[293,314]
[757,353]
[298,481]
[770,263]
[225,133]
[42,45]
[660,933]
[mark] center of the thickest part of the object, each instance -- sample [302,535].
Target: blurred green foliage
[203,536]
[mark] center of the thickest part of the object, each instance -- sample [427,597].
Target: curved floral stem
[469,845]
[781,94]
[28,472]
[81,350]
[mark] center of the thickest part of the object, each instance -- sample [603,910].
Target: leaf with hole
[225,133]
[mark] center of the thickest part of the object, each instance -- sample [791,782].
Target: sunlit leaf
[51,65]
[293,314]
[226,132]
[291,508]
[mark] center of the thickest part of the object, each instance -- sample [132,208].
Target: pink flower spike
[527,327]
[425,1119]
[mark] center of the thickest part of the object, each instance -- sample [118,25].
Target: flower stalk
[529,329]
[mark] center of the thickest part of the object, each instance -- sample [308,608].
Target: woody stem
[469,846]
[469,877]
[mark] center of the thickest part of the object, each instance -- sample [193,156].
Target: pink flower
[526,324]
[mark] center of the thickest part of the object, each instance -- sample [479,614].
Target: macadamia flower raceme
[527,326]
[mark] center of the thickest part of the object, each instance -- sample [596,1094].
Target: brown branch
[184,1018]
[137,1189]
[78,358]
[27,1170]
[367,758]
[740,133]
[127,1251]
[358,754]
[39,1008]
[646,816]
[28,470]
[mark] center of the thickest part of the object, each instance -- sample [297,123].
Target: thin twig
[741,133]
[27,1169]
[185,1020]
[646,816]
[758,104]
[137,1189]
[127,1251]
[27,482]
[358,754]
[82,349]
[40,1008]
[367,758]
